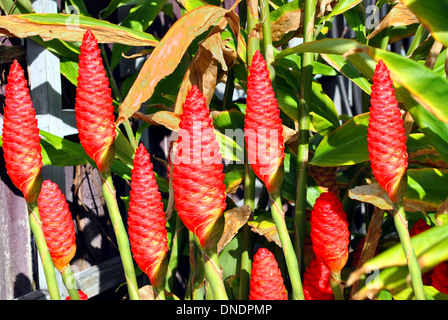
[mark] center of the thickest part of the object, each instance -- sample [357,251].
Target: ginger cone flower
[147,225]
[198,178]
[94,113]
[266,281]
[94,110]
[439,277]
[386,136]
[21,140]
[263,125]
[329,231]
[386,141]
[57,224]
[330,237]
[198,184]
[316,281]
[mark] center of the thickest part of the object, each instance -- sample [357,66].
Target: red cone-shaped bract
[57,224]
[419,227]
[198,179]
[329,231]
[386,136]
[316,281]
[440,277]
[263,125]
[94,110]
[266,281]
[147,225]
[21,141]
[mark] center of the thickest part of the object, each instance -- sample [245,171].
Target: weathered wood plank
[92,281]
[15,249]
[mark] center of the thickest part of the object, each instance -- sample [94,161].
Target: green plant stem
[121,235]
[213,273]
[176,251]
[336,285]
[159,292]
[303,133]
[248,236]
[401,224]
[249,175]
[253,43]
[268,48]
[69,281]
[42,248]
[287,247]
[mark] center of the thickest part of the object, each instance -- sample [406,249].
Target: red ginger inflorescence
[439,277]
[263,125]
[386,135]
[266,281]
[94,109]
[329,231]
[147,225]
[197,171]
[21,140]
[316,281]
[57,224]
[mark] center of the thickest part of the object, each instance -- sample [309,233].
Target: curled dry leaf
[376,195]
[399,15]
[266,229]
[235,218]
[169,52]
[146,292]
[165,118]
[203,70]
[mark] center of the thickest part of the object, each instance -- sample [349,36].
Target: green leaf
[347,145]
[139,18]
[432,13]
[72,28]
[16,7]
[430,246]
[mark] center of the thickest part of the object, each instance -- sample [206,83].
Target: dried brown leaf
[399,15]
[235,218]
[169,52]
[374,194]
[203,70]
[168,119]
[266,229]
[146,292]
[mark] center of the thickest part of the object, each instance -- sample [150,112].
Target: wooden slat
[92,281]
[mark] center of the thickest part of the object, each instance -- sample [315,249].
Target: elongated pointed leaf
[346,145]
[425,86]
[423,243]
[169,52]
[432,13]
[426,191]
[71,27]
